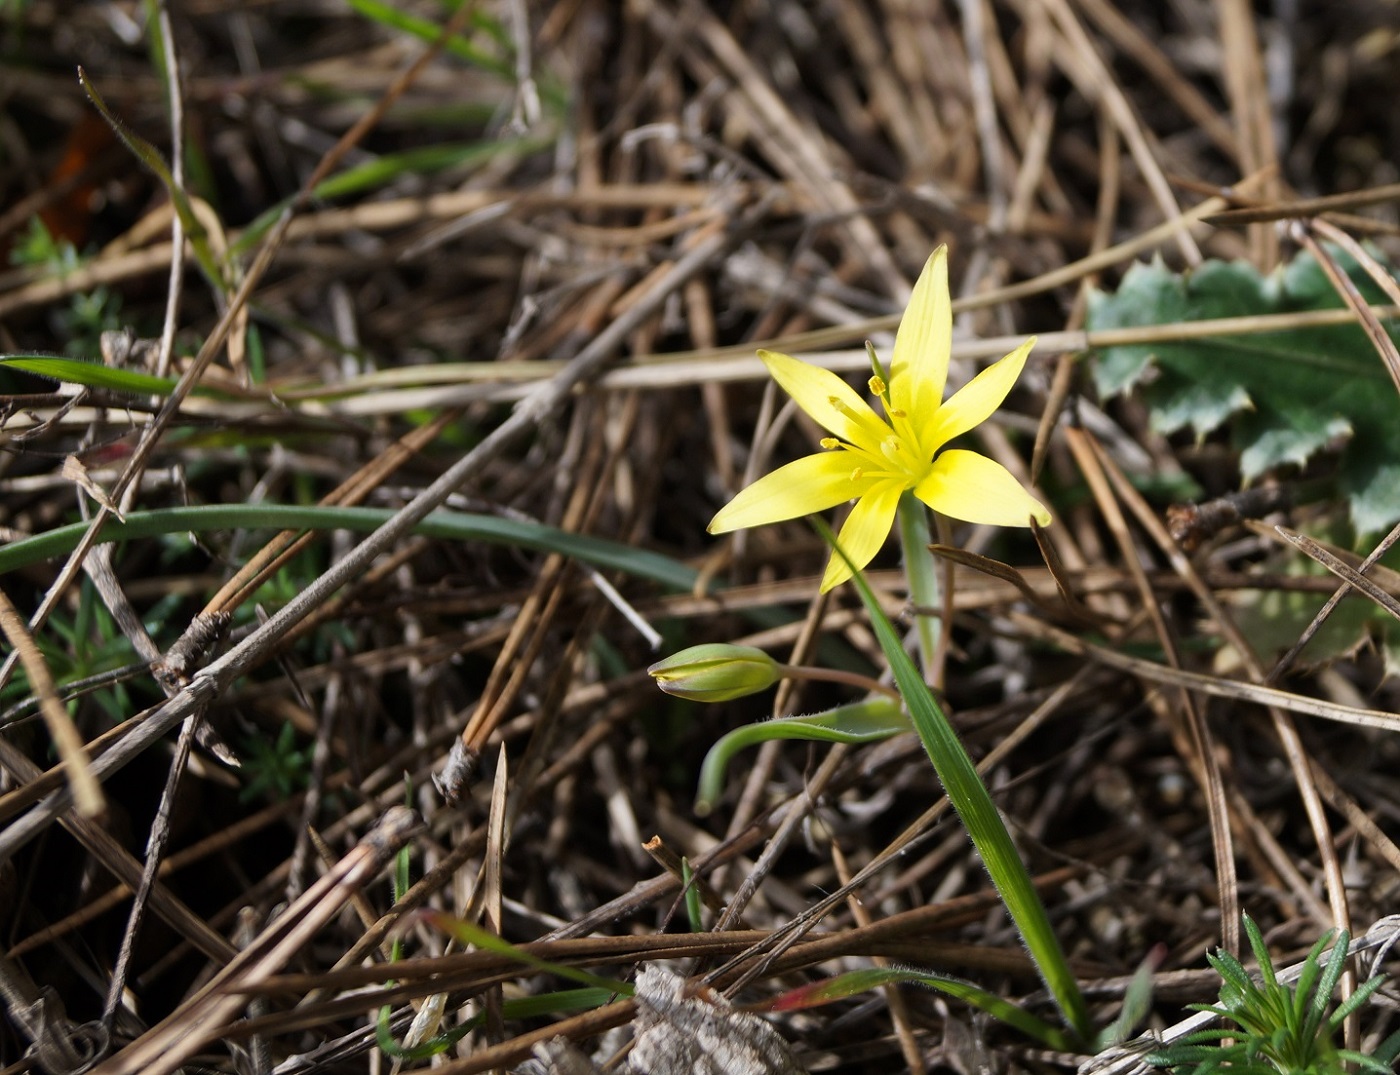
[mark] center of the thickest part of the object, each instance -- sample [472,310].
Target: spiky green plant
[1276,1027]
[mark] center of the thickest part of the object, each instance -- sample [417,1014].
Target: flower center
[892,460]
[895,456]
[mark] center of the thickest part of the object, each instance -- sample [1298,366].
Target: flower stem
[922,572]
[836,675]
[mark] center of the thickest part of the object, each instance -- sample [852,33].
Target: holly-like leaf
[1282,396]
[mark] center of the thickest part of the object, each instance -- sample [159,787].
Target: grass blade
[447,525]
[978,813]
[861,981]
[90,374]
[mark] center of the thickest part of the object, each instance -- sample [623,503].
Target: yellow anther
[857,474]
[877,386]
[829,443]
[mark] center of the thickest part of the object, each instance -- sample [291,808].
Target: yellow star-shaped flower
[873,460]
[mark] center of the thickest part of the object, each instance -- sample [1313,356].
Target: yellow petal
[814,390]
[974,402]
[919,365]
[810,484]
[865,530]
[965,485]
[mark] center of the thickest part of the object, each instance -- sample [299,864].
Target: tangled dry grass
[521,280]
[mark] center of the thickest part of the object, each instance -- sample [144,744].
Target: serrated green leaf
[1283,396]
[1204,407]
[1309,431]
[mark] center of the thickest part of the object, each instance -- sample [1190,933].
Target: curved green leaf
[861,722]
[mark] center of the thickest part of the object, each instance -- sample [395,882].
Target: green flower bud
[715,672]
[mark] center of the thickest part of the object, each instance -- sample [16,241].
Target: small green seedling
[1277,1027]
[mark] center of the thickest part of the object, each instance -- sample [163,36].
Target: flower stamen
[840,407]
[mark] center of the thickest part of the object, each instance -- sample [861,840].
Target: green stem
[836,675]
[921,569]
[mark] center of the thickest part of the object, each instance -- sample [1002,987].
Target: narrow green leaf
[1331,973]
[451,526]
[434,1046]
[978,813]
[91,374]
[148,155]
[384,169]
[557,1002]
[375,173]
[1137,1002]
[1360,996]
[692,898]
[1361,1060]
[1389,1050]
[401,886]
[862,981]
[1232,970]
[468,933]
[460,45]
[427,31]
[561,1000]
